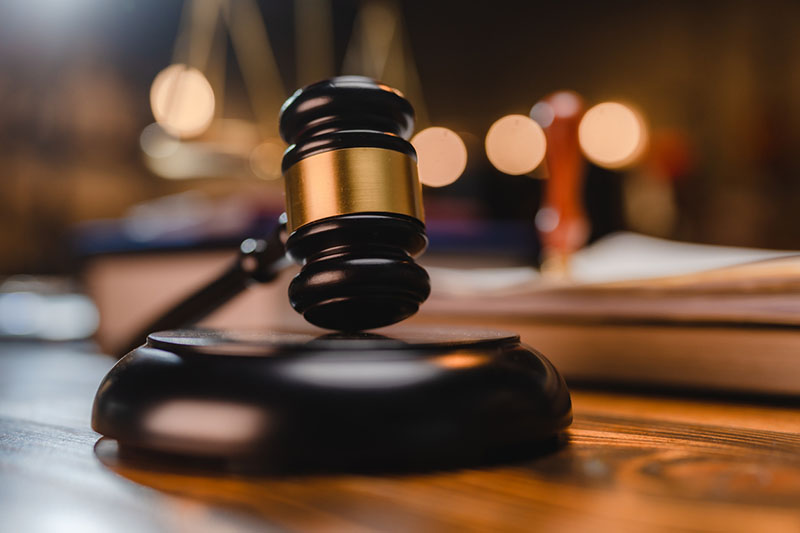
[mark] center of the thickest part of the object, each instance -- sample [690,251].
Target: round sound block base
[399,398]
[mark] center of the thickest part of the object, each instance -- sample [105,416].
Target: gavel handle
[260,260]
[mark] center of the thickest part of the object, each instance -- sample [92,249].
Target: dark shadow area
[122,459]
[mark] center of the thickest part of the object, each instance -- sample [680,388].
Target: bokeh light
[515,144]
[563,104]
[441,156]
[612,135]
[157,142]
[182,101]
[265,159]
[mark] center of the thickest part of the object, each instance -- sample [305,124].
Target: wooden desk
[631,463]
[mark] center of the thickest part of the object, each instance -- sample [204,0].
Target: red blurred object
[561,221]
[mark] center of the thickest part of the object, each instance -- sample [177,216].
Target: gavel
[353,205]
[354,217]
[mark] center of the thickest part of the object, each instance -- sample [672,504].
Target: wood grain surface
[631,463]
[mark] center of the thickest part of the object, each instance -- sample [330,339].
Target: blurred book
[637,311]
[646,312]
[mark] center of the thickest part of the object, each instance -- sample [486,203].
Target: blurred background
[132,126]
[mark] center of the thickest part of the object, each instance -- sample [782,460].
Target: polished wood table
[631,463]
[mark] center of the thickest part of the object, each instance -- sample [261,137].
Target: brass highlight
[352,180]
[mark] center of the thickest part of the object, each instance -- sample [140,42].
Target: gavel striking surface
[406,398]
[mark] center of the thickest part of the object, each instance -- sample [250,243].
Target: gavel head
[353,204]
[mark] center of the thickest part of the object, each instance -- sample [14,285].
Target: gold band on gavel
[352,180]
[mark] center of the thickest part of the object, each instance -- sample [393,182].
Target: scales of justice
[361,392]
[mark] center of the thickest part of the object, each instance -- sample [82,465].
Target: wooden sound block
[401,398]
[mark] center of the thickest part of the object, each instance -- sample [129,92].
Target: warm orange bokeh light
[182,101]
[612,135]
[441,156]
[515,144]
